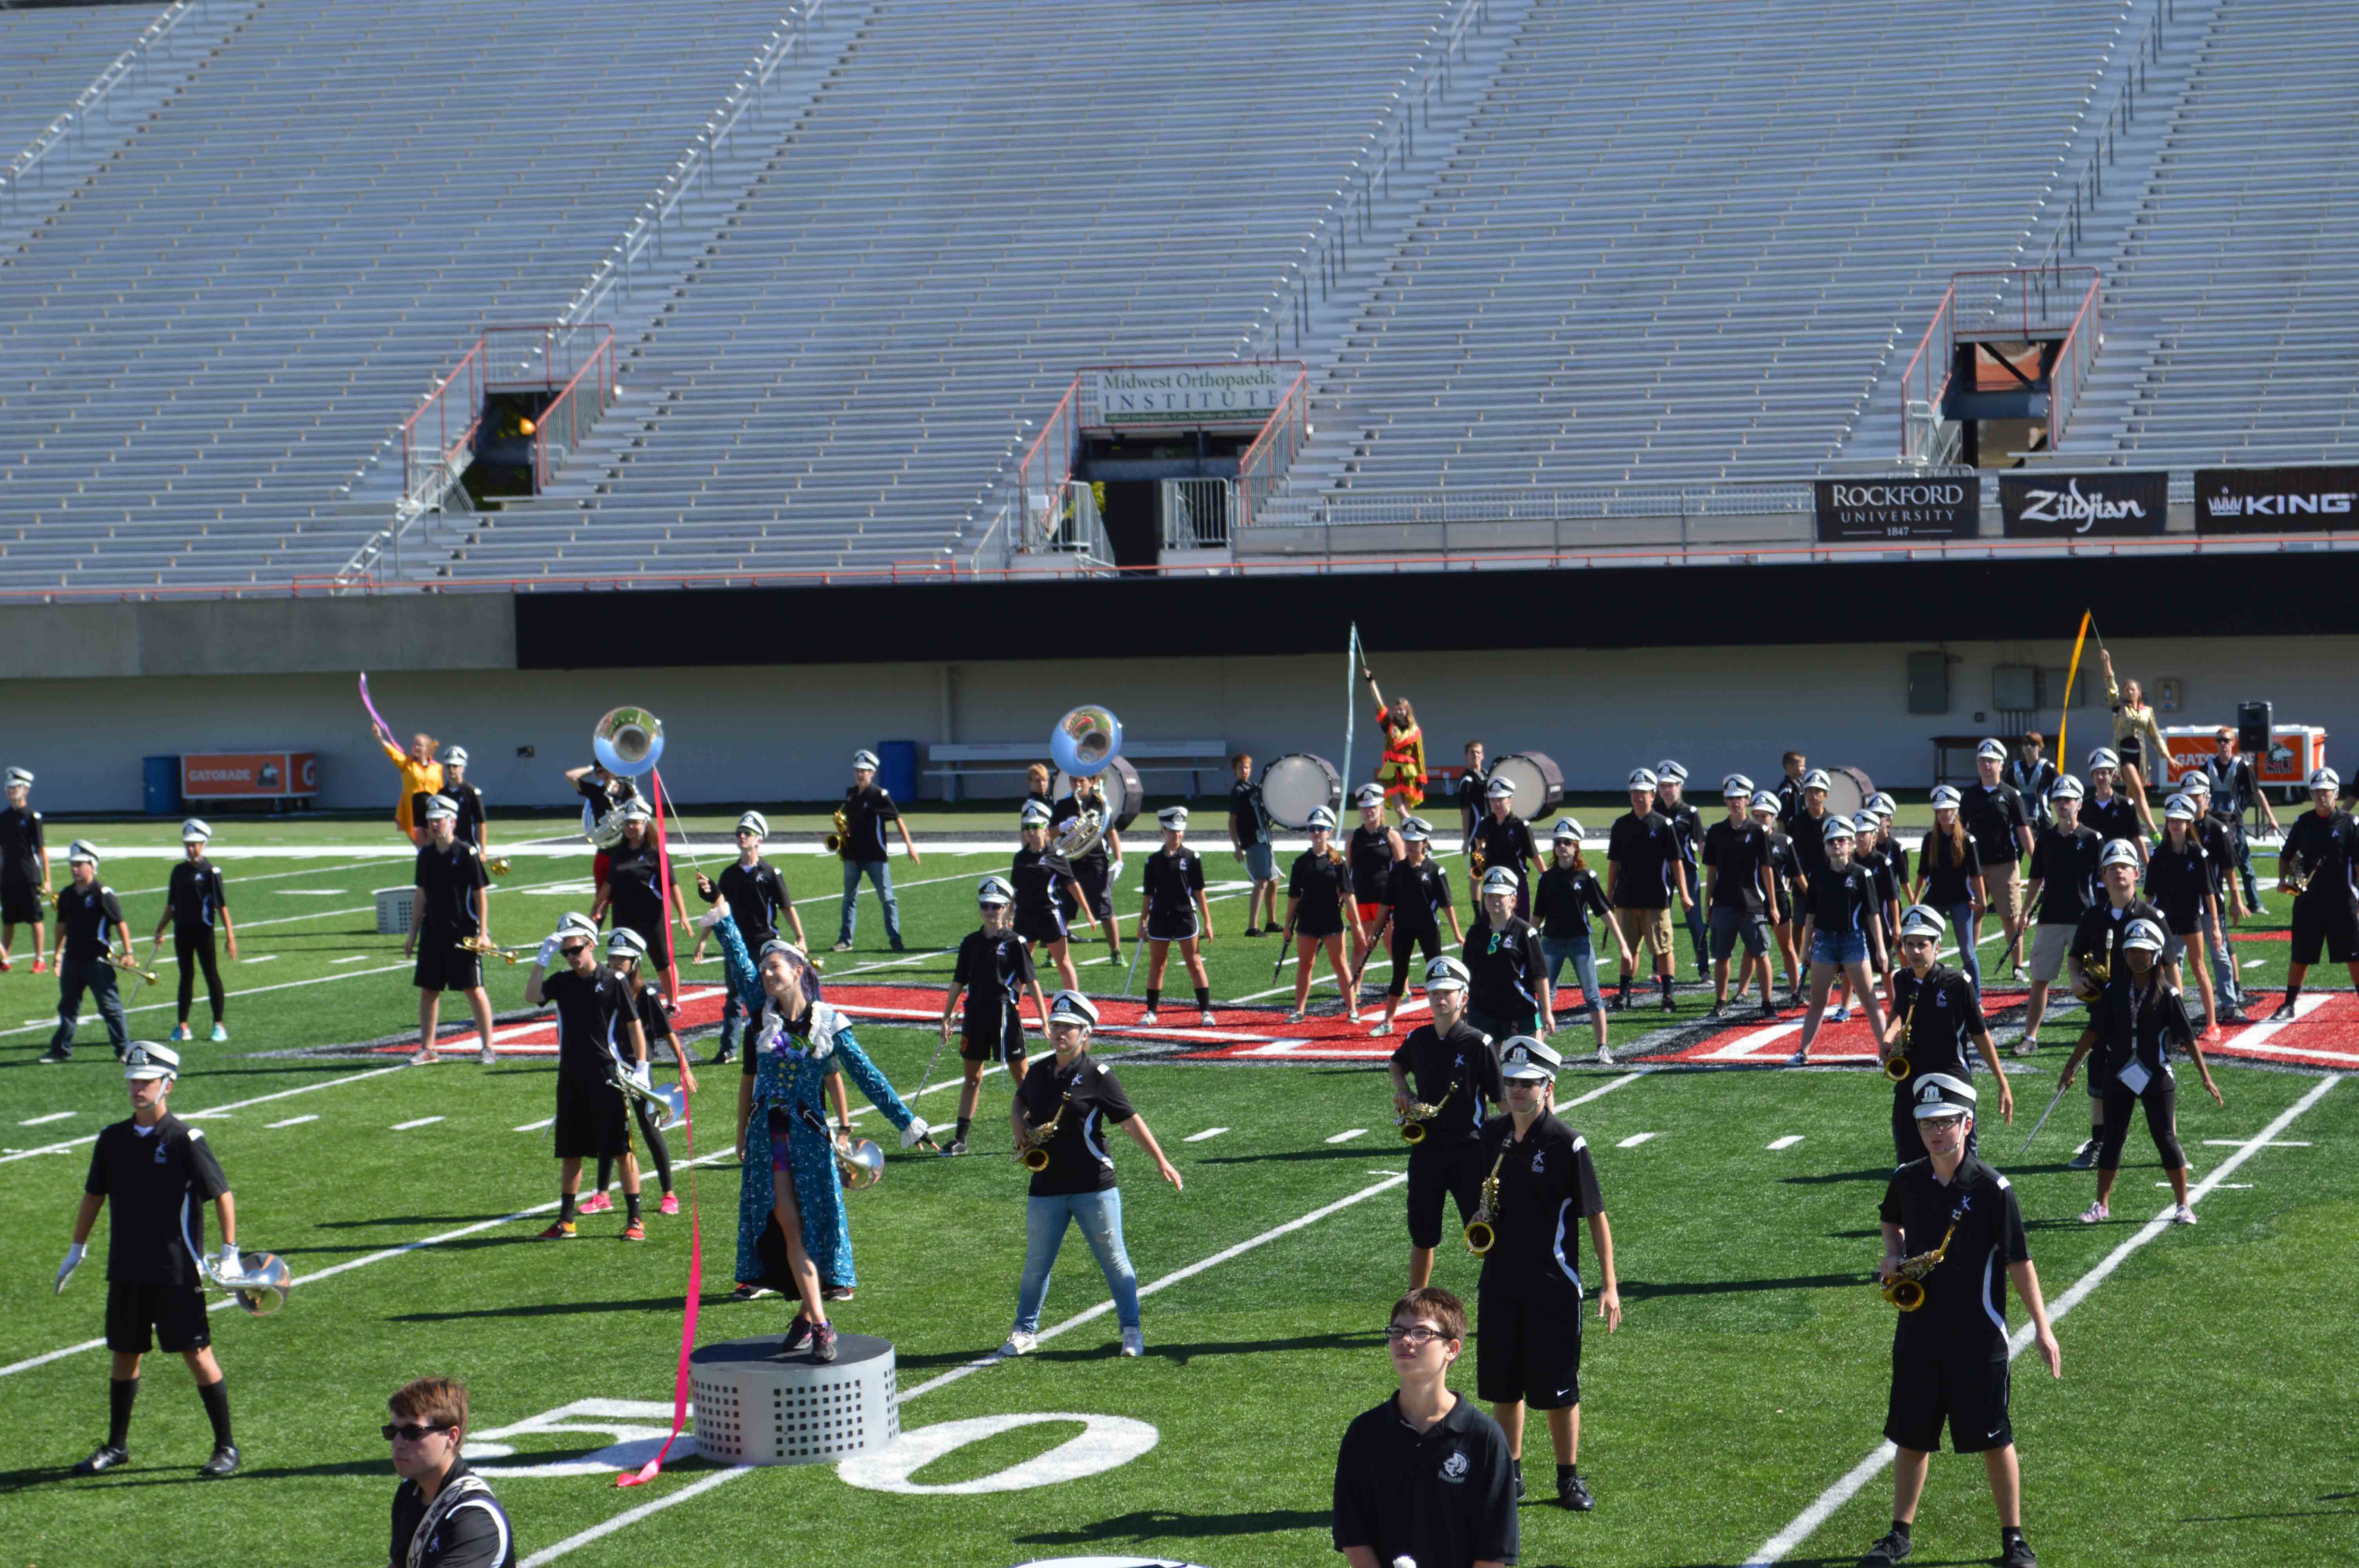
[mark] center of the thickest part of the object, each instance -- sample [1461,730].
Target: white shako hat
[1524,1057]
[1415,830]
[442,805]
[1174,816]
[2067,788]
[1643,778]
[1938,1094]
[1073,1007]
[1499,788]
[865,759]
[2117,853]
[1990,751]
[146,1059]
[1445,973]
[1499,879]
[1923,920]
[756,824]
[1736,785]
[994,890]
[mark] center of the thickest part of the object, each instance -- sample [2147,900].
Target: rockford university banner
[1852,510]
[2110,502]
[2275,501]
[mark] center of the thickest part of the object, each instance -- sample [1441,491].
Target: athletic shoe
[1620,1003]
[596,1203]
[899,947]
[2084,1158]
[563,1230]
[2027,1046]
[1133,1342]
[835,1292]
[843,947]
[636,1231]
[1572,1493]
[55,1054]
[747,1292]
[2018,1554]
[1147,1019]
[955,1146]
[1252,931]
[670,1203]
[424,1058]
[1768,1009]
[180,1032]
[723,1056]
[2234,1013]
[1717,1011]
[487,1057]
[1381,1028]
[1604,1056]
[1799,1059]
[1205,1019]
[2182,1215]
[799,1335]
[5,966]
[40,967]
[1519,1484]
[2095,1214]
[823,1343]
[225,1461]
[105,1457]
[219,1034]
[1294,1017]
[1670,1005]
[2283,1015]
[1839,1015]
[1887,1552]
[1019,1343]
[1352,1016]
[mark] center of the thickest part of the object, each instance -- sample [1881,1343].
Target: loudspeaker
[2253,721]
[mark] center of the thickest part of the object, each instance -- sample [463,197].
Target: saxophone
[1896,1067]
[1035,1150]
[1907,1289]
[1481,1232]
[2298,875]
[839,843]
[1412,1126]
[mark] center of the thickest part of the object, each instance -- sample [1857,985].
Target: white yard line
[1603,1089]
[1754,1040]
[53,1116]
[421,1121]
[1636,1139]
[536,1126]
[1807,1522]
[1192,1138]
[291,1121]
[351,959]
[245,881]
[233,1104]
[49,1024]
[1348,1134]
[1786,1143]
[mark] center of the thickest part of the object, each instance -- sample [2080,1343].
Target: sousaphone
[627,742]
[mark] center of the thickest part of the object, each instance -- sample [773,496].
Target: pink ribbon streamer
[373,713]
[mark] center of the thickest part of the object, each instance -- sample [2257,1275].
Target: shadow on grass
[1357,1149]
[1827,1178]
[1157,1524]
[405,1219]
[539,1309]
[1178,1353]
[186,1475]
[1643,1289]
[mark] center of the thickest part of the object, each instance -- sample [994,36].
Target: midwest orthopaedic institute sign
[1239,397]
[2275,500]
[2108,504]
[1854,510]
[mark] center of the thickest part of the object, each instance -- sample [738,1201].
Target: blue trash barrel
[162,779]
[897,768]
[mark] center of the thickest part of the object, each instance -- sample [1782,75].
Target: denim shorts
[1261,862]
[1839,946]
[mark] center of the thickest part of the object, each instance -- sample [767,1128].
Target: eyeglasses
[1944,1124]
[1415,1332]
[411,1432]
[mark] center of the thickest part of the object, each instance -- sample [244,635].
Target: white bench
[957,761]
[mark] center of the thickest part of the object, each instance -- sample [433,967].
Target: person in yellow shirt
[422,777]
[1402,770]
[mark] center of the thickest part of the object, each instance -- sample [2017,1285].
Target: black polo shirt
[1992,812]
[1565,899]
[1371,854]
[1472,807]
[195,896]
[1842,901]
[1643,849]
[1034,874]
[2112,818]
[1739,858]
[1508,843]
[20,846]
[1788,866]
[757,897]
[2217,834]
[1247,823]
[1948,876]
[1808,834]
[1322,883]
[473,1534]
[2099,935]
[591,1014]
[155,1180]
[2065,867]
[1443,1498]
[2321,846]
[470,802]
[2136,1024]
[1687,825]
[1078,1161]
[1418,891]
[1505,970]
[1964,1315]
[634,880]
[1459,1072]
[86,921]
[1171,881]
[994,968]
[1072,807]
[1547,1183]
[445,879]
[1944,1012]
[865,813]
[2177,883]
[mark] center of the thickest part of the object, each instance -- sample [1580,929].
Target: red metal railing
[1264,463]
[2074,358]
[1926,382]
[443,426]
[1044,473]
[575,410]
[2023,302]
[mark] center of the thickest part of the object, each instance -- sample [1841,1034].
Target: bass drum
[1848,790]
[1540,786]
[1295,786]
[1119,782]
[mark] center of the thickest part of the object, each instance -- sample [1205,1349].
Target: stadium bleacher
[46,57]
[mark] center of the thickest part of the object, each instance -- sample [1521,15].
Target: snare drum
[1295,786]
[1119,782]
[1540,786]
[1848,790]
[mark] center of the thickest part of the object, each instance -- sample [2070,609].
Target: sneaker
[596,1203]
[487,1057]
[2018,1553]
[1799,1059]
[843,947]
[1019,1343]
[1604,1055]
[1717,1011]
[2234,1013]
[1887,1552]
[2283,1015]
[105,1457]
[823,1343]
[2084,1158]
[1205,1019]
[1572,1493]
[1669,1003]
[40,965]
[1147,1020]
[1841,1014]
[724,1056]
[180,1032]
[636,1231]
[799,1335]
[835,1292]
[899,947]
[1252,931]
[1768,1009]
[2095,1214]
[2027,1046]
[5,966]
[225,1461]
[670,1203]
[219,1034]
[1133,1342]
[563,1230]
[955,1146]
[747,1292]
[1619,1002]
[55,1054]
[1519,1484]
[424,1058]
[1294,1017]
[1352,1016]
[2182,1215]
[1381,1028]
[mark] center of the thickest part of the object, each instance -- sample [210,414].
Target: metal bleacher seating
[204,345]
[49,56]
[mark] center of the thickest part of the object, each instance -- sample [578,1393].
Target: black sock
[632,1199]
[1204,999]
[1901,1528]
[965,1123]
[1153,995]
[2293,990]
[216,1397]
[120,1392]
[2008,1534]
[565,1207]
[1565,1473]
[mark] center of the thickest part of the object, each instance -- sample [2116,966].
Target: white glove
[916,1131]
[74,1255]
[548,953]
[644,1073]
[1114,872]
[229,1266]
[713,917]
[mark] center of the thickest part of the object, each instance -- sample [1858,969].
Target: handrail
[2025,300]
[97,95]
[2089,184]
[1264,465]
[1936,352]
[558,430]
[2075,355]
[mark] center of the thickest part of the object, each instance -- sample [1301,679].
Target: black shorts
[1092,876]
[984,1039]
[1040,926]
[1969,1393]
[1503,1027]
[1528,1343]
[21,903]
[444,966]
[1317,924]
[592,1121]
[1406,942]
[1177,926]
[1454,1173]
[2329,924]
[177,1314]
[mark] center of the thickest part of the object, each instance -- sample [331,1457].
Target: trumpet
[484,948]
[130,965]
[1481,1233]
[1907,1289]
[498,868]
[1034,1151]
[839,843]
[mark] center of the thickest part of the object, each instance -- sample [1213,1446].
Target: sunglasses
[411,1432]
[576,948]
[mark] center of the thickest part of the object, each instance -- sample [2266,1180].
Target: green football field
[2206,1415]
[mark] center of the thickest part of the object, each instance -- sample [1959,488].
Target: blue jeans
[1100,1216]
[2225,986]
[1695,912]
[881,873]
[1961,928]
[1555,951]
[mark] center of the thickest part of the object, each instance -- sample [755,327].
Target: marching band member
[1095,870]
[1172,909]
[626,956]
[2140,1017]
[1568,896]
[2001,828]
[791,1227]
[192,898]
[1443,1075]
[159,1171]
[23,873]
[1416,897]
[448,907]
[1641,853]
[1888,844]
[421,778]
[1950,878]
[1040,876]
[1039,783]
[2179,879]
[444,1515]
[1740,880]
[1686,832]
[2234,787]
[2063,888]
[1507,991]
[89,920]
[1542,1180]
[867,808]
[2097,941]
[642,893]
[1424,1477]
[2136,736]
[1936,1012]
[1950,1355]
[1319,905]
[757,896]
[1062,1109]
[2219,841]
[1400,775]
[1472,799]
[2032,777]
[598,1035]
[601,792]
[1791,884]
[1789,789]
[1374,850]
[1845,933]
[1504,841]
[1867,830]
[1807,834]
[472,828]
[2319,864]
[1249,841]
[2111,813]
[993,969]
